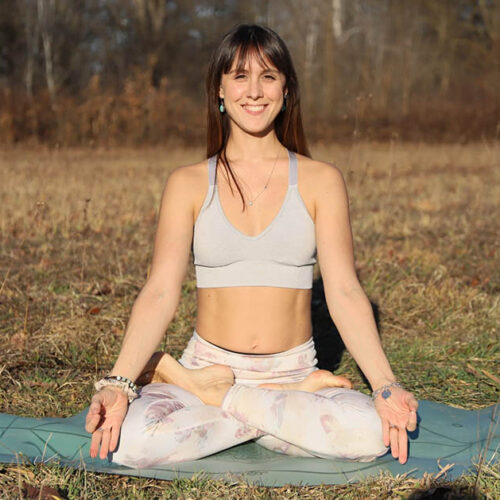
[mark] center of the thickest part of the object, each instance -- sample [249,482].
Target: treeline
[107,72]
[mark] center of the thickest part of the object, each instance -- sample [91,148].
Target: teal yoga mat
[445,435]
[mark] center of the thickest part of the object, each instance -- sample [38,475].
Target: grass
[76,230]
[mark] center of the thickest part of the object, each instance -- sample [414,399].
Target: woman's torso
[255,319]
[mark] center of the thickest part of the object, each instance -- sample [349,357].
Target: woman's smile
[254,109]
[257,90]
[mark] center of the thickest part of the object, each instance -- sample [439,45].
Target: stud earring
[221,106]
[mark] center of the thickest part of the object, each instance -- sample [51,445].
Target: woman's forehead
[251,56]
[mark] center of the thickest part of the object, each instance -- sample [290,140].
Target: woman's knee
[353,426]
[147,417]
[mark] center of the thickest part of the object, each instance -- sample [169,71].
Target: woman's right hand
[107,411]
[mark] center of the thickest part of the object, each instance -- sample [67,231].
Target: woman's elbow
[164,295]
[345,292]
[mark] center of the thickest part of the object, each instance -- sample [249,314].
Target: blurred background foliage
[131,72]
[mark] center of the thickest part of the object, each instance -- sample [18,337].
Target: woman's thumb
[412,402]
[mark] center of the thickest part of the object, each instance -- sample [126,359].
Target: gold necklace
[250,202]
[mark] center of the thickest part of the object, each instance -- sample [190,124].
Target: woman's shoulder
[187,184]
[316,174]
[187,174]
[189,178]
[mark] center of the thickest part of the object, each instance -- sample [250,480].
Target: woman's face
[253,97]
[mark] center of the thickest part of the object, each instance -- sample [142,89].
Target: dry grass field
[76,231]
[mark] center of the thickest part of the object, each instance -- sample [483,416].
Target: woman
[256,215]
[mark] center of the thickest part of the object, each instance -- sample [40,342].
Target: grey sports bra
[282,255]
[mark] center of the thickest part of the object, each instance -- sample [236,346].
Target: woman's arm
[157,302]
[351,309]
[347,302]
[153,309]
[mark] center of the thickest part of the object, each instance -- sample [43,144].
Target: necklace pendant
[250,203]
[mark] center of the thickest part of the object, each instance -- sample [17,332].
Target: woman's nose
[254,90]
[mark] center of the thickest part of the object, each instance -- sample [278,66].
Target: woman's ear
[221,92]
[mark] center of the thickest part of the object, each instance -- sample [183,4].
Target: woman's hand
[104,419]
[398,414]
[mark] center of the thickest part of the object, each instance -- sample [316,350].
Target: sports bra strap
[212,165]
[292,172]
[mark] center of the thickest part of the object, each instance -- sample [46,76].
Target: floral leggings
[168,424]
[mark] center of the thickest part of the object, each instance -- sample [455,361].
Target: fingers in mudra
[104,418]
[402,446]
[95,442]
[412,421]
[93,416]
[394,441]
[399,414]
[319,379]
[397,439]
[105,439]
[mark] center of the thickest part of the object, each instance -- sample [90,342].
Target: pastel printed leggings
[169,424]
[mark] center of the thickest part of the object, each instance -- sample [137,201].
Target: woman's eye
[269,77]
[239,77]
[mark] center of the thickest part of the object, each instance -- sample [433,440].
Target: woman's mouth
[254,109]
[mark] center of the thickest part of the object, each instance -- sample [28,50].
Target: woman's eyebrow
[264,70]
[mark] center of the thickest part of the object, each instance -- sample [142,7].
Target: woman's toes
[325,378]
[321,379]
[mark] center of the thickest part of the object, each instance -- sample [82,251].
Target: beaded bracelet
[385,390]
[125,384]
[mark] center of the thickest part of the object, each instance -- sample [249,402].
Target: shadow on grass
[329,345]
[444,493]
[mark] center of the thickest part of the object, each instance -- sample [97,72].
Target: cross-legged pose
[256,215]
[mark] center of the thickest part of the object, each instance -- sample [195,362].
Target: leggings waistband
[292,365]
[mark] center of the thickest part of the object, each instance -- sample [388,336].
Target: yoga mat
[445,435]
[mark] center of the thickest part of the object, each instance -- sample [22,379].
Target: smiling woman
[256,214]
[252,96]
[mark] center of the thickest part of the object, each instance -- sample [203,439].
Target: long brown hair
[241,42]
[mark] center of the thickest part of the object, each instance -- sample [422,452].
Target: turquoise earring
[221,106]
[285,97]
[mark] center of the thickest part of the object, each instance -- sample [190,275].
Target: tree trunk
[310,51]
[45,17]
[337,18]
[329,54]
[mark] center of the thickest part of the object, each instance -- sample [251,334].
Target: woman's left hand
[398,414]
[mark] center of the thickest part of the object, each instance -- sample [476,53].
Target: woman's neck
[246,147]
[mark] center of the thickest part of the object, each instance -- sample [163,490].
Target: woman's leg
[341,423]
[330,423]
[169,424]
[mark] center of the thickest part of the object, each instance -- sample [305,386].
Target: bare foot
[210,384]
[317,380]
